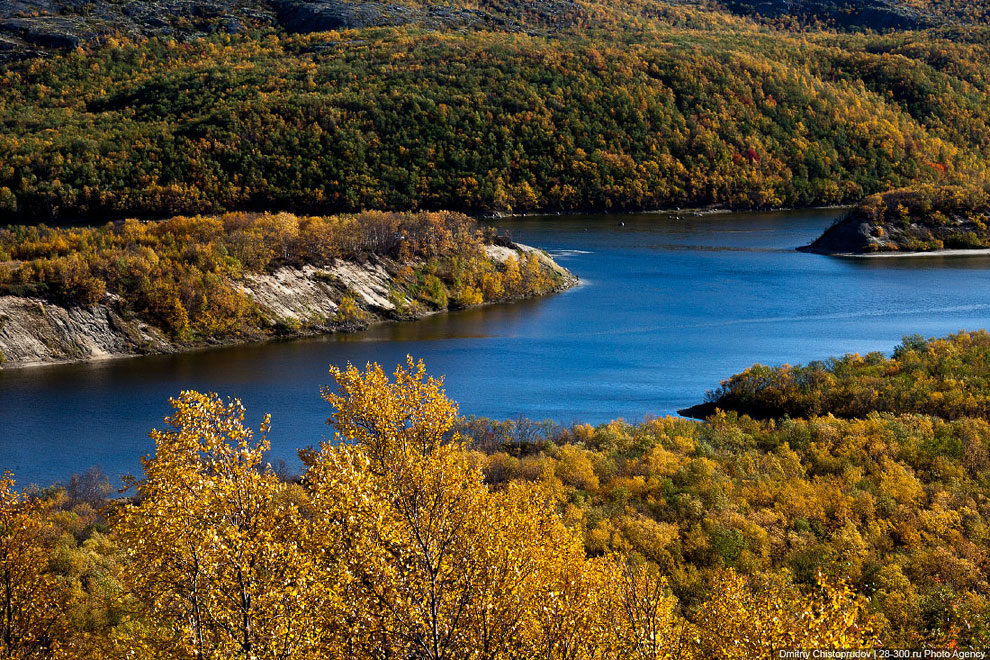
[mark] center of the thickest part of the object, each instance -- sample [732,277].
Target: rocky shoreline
[927,221]
[299,301]
[969,252]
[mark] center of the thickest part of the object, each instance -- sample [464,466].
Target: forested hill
[481,106]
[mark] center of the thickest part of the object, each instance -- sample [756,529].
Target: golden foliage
[185,274]
[391,546]
[738,621]
[32,599]
[442,567]
[213,543]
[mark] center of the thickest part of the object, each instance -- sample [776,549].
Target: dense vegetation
[947,378]
[870,468]
[183,275]
[838,504]
[628,106]
[897,505]
[915,219]
[391,546]
[666,539]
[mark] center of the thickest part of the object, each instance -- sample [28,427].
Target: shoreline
[39,333]
[261,340]
[975,252]
[699,412]
[694,211]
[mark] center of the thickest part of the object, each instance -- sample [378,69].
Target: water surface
[668,307]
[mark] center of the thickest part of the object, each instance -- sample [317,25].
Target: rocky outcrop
[848,236]
[33,331]
[32,27]
[324,15]
[311,296]
[345,296]
[926,219]
[304,16]
[878,15]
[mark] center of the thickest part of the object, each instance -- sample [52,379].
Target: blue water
[668,307]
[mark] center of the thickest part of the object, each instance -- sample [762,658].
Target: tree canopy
[395,542]
[656,106]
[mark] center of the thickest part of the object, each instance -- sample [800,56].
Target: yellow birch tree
[33,602]
[215,543]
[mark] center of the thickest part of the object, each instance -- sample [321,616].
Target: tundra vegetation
[416,533]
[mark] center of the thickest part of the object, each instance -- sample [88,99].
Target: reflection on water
[467,323]
[668,306]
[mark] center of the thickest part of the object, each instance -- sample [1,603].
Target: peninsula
[131,287]
[922,220]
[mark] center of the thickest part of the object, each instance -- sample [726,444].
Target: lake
[668,306]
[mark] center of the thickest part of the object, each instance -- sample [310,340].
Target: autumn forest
[180,175]
[423,534]
[626,110]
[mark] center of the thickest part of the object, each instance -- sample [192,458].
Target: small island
[923,220]
[133,287]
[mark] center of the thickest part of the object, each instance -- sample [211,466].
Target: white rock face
[311,295]
[292,293]
[371,283]
[37,332]
[501,252]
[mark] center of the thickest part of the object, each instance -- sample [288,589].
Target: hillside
[34,27]
[505,107]
[30,28]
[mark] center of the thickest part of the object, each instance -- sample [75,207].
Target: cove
[669,305]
